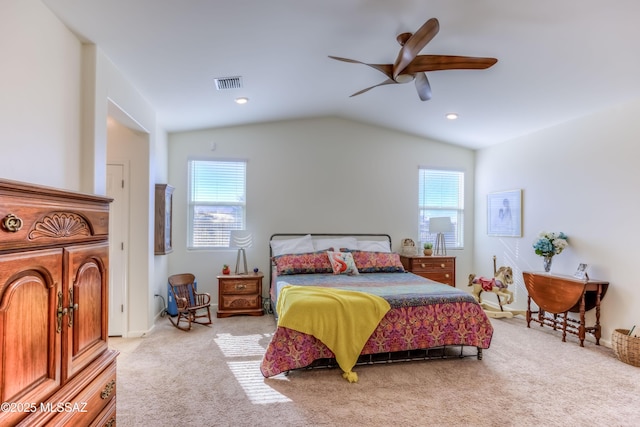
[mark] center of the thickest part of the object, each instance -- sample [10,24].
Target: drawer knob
[441,265]
[12,223]
[422,265]
[241,287]
[447,275]
[108,389]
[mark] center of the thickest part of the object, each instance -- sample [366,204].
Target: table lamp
[240,239]
[440,225]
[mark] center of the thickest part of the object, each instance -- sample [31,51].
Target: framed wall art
[504,213]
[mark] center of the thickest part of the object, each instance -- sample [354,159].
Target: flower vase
[547,263]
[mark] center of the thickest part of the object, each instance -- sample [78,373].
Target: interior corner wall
[323,175]
[579,177]
[161,262]
[112,86]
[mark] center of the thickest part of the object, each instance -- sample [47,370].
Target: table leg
[581,330]
[528,311]
[598,331]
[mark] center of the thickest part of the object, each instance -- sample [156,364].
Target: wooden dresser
[438,268]
[240,294]
[55,364]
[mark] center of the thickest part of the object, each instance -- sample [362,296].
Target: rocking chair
[191,305]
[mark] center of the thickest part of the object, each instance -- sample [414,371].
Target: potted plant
[226,269]
[428,249]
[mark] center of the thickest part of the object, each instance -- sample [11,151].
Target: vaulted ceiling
[557,60]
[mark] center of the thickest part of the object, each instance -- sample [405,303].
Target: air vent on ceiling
[224,83]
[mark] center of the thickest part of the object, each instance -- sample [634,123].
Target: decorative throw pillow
[377,262]
[307,263]
[342,263]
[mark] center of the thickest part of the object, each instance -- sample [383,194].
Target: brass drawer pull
[241,287]
[108,389]
[422,265]
[12,223]
[442,265]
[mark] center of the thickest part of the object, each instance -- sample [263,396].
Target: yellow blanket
[343,320]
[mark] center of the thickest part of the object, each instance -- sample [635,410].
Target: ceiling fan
[409,66]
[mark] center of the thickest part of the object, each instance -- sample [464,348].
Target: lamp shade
[440,224]
[240,239]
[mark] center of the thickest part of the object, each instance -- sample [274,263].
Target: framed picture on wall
[504,213]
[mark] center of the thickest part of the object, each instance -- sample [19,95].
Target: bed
[425,319]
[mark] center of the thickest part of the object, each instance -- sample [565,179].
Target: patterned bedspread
[424,314]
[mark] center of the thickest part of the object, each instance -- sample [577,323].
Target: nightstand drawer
[446,278]
[239,302]
[238,286]
[438,268]
[433,265]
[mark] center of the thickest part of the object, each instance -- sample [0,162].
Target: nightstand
[438,268]
[240,294]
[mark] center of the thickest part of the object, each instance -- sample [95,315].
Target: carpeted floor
[210,377]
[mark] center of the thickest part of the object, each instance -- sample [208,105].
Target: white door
[118,223]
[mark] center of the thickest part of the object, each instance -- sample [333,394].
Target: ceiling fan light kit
[409,66]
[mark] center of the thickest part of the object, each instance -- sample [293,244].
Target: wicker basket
[626,348]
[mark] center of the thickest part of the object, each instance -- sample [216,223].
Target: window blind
[217,201]
[441,194]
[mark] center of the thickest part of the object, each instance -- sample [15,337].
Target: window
[441,194]
[217,202]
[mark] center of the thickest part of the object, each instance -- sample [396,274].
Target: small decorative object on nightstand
[240,294]
[438,268]
[428,249]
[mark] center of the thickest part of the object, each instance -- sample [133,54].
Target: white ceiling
[557,60]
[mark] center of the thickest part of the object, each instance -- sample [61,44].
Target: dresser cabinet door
[30,332]
[86,280]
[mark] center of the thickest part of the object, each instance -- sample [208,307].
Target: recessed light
[451,116]
[242,100]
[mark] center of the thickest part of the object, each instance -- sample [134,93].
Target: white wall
[324,175]
[580,178]
[40,103]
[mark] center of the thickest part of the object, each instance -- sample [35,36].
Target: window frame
[239,223]
[455,211]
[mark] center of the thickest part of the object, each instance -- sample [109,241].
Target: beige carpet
[210,377]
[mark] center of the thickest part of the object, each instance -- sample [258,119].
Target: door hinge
[122,183]
[121,308]
[122,246]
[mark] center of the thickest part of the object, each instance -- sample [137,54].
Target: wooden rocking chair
[191,305]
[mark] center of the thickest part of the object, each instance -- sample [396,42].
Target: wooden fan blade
[386,82]
[447,62]
[383,68]
[415,44]
[423,87]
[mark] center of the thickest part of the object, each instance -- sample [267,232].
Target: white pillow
[297,245]
[336,243]
[374,246]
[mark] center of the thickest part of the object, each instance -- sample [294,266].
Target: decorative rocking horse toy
[498,284]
